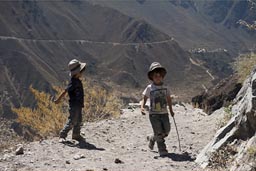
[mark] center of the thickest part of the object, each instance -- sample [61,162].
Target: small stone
[19,150]
[6,151]
[67,162]
[118,161]
[79,156]
[105,169]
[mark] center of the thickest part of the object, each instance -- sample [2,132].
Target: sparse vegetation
[244,65]
[227,116]
[221,158]
[47,118]
[99,103]
[252,152]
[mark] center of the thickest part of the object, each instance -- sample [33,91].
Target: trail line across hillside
[82,41]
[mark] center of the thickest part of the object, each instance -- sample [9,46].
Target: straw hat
[154,67]
[75,67]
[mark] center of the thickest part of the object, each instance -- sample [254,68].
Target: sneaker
[151,143]
[78,137]
[163,153]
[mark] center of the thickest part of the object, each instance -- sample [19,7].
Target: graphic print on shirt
[158,100]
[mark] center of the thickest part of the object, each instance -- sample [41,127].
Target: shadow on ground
[82,145]
[180,157]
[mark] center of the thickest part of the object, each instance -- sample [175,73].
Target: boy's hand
[56,101]
[143,111]
[172,113]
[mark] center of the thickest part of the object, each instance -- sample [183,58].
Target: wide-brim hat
[156,66]
[75,67]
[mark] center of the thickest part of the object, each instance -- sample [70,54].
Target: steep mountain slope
[228,13]
[195,23]
[38,38]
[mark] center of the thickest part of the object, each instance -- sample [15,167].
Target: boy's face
[157,78]
[78,75]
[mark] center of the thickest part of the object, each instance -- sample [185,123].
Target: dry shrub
[244,65]
[46,118]
[221,158]
[252,152]
[227,116]
[100,103]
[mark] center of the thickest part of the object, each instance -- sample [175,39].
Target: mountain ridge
[43,38]
[190,23]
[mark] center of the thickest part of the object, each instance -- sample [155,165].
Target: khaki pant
[161,128]
[74,121]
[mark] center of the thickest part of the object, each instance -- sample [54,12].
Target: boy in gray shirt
[160,98]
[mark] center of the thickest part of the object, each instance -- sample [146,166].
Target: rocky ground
[119,144]
[7,135]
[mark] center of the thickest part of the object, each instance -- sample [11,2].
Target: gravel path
[119,144]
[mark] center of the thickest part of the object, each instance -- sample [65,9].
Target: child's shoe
[163,153]
[151,143]
[78,137]
[62,140]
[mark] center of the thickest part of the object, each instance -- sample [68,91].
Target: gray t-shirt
[158,98]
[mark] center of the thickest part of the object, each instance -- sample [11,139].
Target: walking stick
[177,132]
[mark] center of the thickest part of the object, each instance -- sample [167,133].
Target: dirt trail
[84,41]
[123,138]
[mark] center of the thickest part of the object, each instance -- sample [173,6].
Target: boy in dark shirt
[76,101]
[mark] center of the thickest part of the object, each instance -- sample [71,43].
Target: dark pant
[161,128]
[74,121]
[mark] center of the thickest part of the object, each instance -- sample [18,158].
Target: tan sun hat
[156,66]
[75,67]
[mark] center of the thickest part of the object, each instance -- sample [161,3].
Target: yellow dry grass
[99,103]
[47,118]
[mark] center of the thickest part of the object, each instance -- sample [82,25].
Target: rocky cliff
[238,137]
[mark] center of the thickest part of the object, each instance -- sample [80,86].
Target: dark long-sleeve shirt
[76,92]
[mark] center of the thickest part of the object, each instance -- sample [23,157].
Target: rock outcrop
[218,96]
[240,131]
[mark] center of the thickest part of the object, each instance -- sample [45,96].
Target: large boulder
[241,128]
